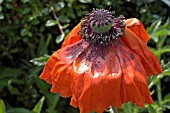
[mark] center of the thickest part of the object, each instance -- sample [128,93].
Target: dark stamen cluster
[101,20]
[100,27]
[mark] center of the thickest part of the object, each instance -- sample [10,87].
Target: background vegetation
[30,30]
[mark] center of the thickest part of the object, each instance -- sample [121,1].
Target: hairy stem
[56,18]
[159,94]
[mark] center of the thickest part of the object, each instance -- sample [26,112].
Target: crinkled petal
[46,73]
[57,70]
[114,71]
[94,77]
[54,73]
[100,76]
[137,45]
[89,72]
[134,86]
[72,37]
[137,28]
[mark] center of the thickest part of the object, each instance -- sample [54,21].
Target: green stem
[159,94]
[112,110]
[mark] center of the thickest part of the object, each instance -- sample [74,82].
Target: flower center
[101,20]
[100,27]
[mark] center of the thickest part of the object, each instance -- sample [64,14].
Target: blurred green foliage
[29,33]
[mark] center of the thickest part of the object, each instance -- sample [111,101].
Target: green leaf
[85,1]
[161,39]
[152,49]
[25,32]
[64,19]
[40,61]
[42,85]
[7,73]
[65,26]
[154,80]
[166,68]
[53,100]
[167,2]
[1,1]
[48,40]
[1,16]
[38,106]
[166,99]
[0,8]
[42,49]
[50,23]
[128,107]
[2,106]
[166,72]
[12,89]
[152,29]
[59,39]
[164,65]
[150,108]
[162,51]
[59,6]
[25,1]
[166,25]
[18,110]
[157,26]
[26,11]
[135,110]
[154,108]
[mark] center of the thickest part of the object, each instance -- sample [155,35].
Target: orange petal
[62,81]
[93,78]
[46,73]
[104,78]
[72,37]
[57,69]
[97,76]
[134,86]
[136,27]
[149,61]
[114,71]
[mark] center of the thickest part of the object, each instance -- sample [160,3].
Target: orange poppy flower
[104,61]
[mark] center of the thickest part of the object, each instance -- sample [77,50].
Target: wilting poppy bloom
[104,61]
